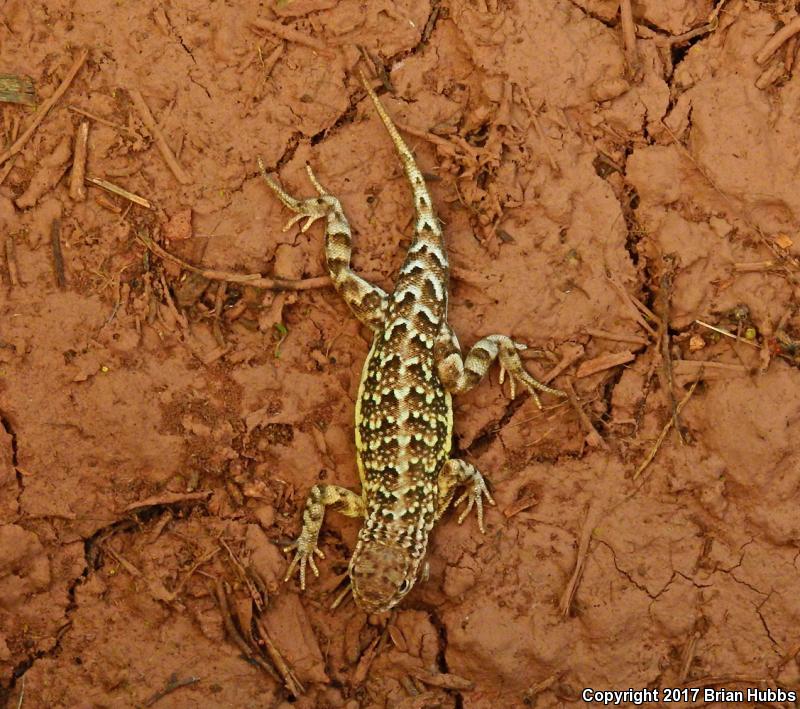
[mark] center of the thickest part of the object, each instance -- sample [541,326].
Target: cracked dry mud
[552,169]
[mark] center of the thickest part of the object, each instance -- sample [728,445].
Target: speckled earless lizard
[404,412]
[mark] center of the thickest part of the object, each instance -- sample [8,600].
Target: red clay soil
[159,432]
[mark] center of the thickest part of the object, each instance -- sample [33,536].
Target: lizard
[404,409]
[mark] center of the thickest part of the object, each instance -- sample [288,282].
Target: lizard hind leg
[321,496]
[460,374]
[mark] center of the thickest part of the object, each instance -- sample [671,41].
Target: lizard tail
[427,223]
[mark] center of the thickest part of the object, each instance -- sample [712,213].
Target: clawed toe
[309,209]
[474,496]
[304,556]
[310,219]
[511,364]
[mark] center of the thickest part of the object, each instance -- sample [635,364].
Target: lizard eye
[405,586]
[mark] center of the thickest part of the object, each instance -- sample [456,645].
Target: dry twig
[105,122]
[197,564]
[687,657]
[252,279]
[108,204]
[443,680]
[723,331]
[629,38]
[58,256]
[615,336]
[45,107]
[652,454]
[538,688]
[219,301]
[572,353]
[521,505]
[255,593]
[173,684]
[782,35]
[272,59]
[603,362]
[7,169]
[693,366]
[634,306]
[290,681]
[121,191]
[235,635]
[679,39]
[663,303]
[753,266]
[11,260]
[789,56]
[161,142]
[583,550]
[343,595]
[77,190]
[290,35]
[122,561]
[770,75]
[537,125]
[367,658]
[169,498]
[593,438]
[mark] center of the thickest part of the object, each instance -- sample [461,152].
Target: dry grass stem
[121,191]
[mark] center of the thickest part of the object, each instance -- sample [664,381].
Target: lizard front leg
[367,301]
[462,374]
[457,472]
[320,497]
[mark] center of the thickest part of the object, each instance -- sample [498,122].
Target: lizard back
[404,415]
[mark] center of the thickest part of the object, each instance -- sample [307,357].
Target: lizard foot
[308,209]
[304,556]
[511,364]
[474,494]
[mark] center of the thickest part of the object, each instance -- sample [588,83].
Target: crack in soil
[197,83]
[611,24]
[750,586]
[688,579]
[742,552]
[348,115]
[628,575]
[178,38]
[92,562]
[777,647]
[441,656]
[491,431]
[5,423]
[345,118]
[628,199]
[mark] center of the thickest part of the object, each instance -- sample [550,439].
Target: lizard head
[381,574]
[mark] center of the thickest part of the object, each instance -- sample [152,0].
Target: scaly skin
[404,411]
